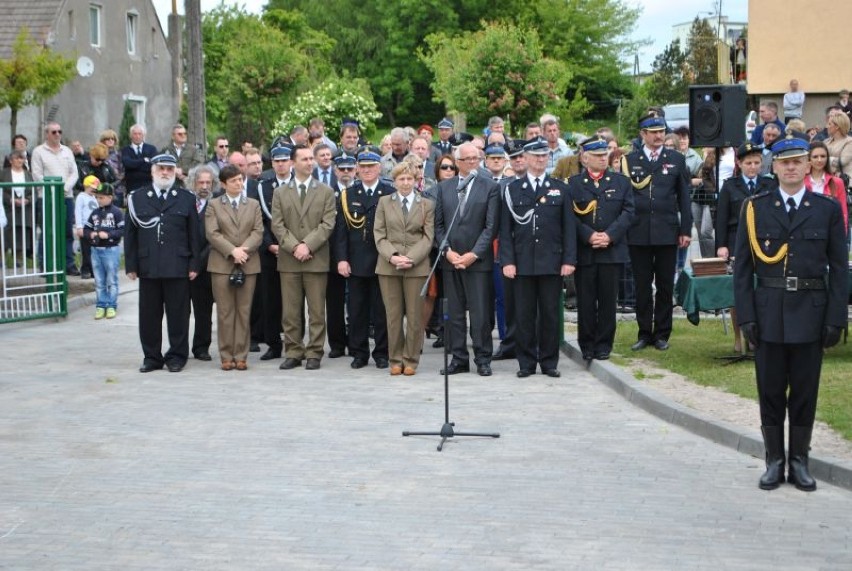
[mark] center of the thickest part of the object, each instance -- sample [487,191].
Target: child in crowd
[103,231]
[84,205]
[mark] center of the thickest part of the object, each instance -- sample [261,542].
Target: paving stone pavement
[102,467]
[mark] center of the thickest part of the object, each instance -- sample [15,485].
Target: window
[137,104]
[132,26]
[95,25]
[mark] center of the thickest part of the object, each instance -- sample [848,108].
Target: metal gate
[32,277]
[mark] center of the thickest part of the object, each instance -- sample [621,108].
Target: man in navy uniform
[603,203]
[354,248]
[538,247]
[335,293]
[445,131]
[162,246]
[794,242]
[662,224]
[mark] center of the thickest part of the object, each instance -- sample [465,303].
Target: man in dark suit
[335,293]
[354,248]
[201,181]
[794,243]
[161,246]
[468,258]
[136,159]
[662,224]
[324,171]
[603,203]
[538,247]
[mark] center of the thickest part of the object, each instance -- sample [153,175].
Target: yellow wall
[807,40]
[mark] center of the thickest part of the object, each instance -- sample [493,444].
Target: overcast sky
[655,23]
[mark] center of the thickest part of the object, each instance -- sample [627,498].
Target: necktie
[234,204]
[370,192]
[163,194]
[138,149]
[751,187]
[791,211]
[654,155]
[325,177]
[302,190]
[462,198]
[405,207]
[535,188]
[198,205]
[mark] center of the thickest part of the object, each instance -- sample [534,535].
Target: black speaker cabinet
[717,115]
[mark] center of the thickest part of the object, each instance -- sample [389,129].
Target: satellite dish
[85,66]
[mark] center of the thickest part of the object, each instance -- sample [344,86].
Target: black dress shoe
[203,356]
[455,368]
[639,345]
[439,342]
[290,363]
[175,366]
[602,356]
[358,363]
[484,370]
[552,373]
[271,354]
[254,347]
[381,363]
[587,356]
[86,276]
[661,344]
[312,364]
[72,271]
[148,366]
[502,355]
[335,353]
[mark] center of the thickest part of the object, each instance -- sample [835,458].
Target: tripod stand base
[447,431]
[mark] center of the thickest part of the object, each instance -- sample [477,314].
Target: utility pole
[176,49]
[197,127]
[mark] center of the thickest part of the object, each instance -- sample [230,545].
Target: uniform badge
[174,193]
[806,203]
[766,244]
[150,193]
[524,185]
[547,184]
[777,203]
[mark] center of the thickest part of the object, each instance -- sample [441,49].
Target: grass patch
[692,355]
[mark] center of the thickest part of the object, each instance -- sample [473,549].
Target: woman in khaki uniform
[404,230]
[234,229]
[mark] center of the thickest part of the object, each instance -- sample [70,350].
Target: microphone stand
[448,428]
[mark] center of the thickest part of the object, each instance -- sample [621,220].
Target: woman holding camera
[234,230]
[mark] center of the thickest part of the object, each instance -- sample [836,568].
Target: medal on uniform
[766,244]
[543,200]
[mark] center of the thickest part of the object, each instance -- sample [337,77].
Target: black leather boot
[800,445]
[773,441]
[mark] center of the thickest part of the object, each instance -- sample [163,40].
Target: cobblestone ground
[102,467]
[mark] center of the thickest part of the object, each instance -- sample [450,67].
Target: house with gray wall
[122,55]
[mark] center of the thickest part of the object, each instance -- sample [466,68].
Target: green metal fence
[33,283]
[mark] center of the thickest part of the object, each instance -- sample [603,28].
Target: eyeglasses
[346,169]
[447,167]
[181,133]
[56,132]
[223,146]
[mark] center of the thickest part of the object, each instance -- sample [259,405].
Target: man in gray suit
[468,258]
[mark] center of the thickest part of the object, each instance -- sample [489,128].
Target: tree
[669,81]
[33,74]
[128,119]
[498,70]
[702,55]
[253,69]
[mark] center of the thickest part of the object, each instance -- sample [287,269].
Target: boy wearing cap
[84,204]
[102,232]
[794,243]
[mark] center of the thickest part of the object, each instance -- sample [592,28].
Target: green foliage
[701,53]
[253,69]
[670,80]
[499,70]
[127,121]
[332,100]
[33,74]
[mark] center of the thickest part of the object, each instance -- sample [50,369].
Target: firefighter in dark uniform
[603,204]
[354,248]
[269,284]
[444,143]
[794,243]
[538,247]
[661,225]
[162,247]
[335,291]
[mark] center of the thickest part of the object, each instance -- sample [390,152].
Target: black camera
[237,277]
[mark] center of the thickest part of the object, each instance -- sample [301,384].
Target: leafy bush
[332,101]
